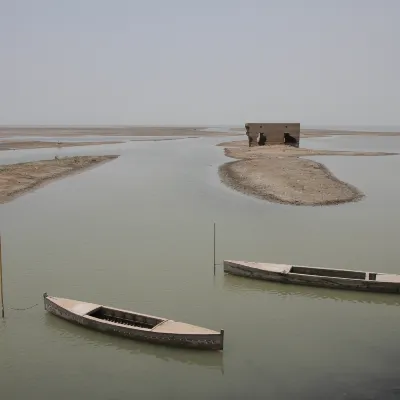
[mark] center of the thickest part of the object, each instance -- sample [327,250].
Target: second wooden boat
[134,325]
[312,276]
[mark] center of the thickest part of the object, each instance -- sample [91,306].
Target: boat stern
[188,335]
[79,308]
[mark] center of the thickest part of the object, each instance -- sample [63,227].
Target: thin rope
[23,309]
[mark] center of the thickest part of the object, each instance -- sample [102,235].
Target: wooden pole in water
[214,248]
[1,283]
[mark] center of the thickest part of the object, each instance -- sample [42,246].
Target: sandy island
[16,179]
[278,174]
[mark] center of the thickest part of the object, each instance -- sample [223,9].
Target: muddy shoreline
[71,131]
[314,133]
[17,179]
[37,144]
[279,174]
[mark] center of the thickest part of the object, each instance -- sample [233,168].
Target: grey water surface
[136,233]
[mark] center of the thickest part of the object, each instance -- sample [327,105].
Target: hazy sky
[199,61]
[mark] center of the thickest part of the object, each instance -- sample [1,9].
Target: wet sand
[17,179]
[278,174]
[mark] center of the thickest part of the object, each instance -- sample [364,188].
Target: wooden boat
[312,276]
[134,325]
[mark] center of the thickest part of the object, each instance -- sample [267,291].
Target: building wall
[274,132]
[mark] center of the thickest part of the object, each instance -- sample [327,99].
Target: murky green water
[136,233]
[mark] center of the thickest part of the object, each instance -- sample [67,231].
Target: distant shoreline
[37,144]
[9,132]
[310,133]
[198,131]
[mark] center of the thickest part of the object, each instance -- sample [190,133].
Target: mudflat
[277,173]
[314,133]
[47,131]
[31,135]
[37,144]
[16,179]
[332,132]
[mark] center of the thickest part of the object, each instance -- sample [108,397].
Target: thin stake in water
[214,249]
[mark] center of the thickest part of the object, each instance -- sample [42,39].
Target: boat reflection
[235,283]
[202,358]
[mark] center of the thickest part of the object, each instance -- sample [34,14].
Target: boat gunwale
[330,277]
[107,307]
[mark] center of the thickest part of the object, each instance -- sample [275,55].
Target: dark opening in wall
[289,139]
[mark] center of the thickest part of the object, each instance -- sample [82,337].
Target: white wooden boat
[312,276]
[134,325]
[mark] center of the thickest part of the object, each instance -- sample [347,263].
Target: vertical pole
[214,248]
[1,284]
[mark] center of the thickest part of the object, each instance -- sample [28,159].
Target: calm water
[136,233]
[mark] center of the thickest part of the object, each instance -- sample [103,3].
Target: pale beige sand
[16,179]
[277,174]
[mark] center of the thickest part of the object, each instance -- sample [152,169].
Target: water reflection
[209,359]
[234,283]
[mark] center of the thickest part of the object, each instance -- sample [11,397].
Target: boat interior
[125,318]
[334,273]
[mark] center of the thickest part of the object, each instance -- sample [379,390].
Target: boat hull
[283,275]
[196,341]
